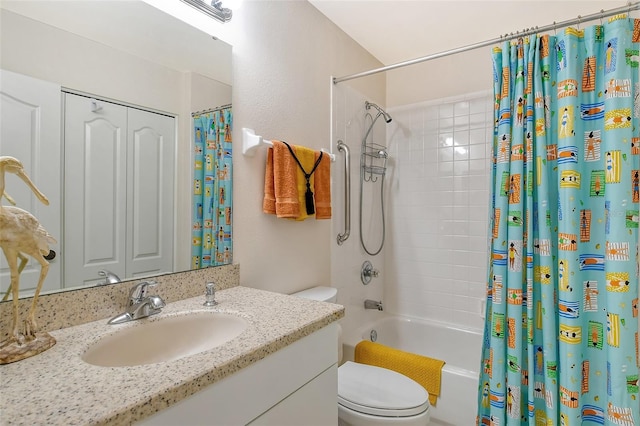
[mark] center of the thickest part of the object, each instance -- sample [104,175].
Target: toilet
[369,395]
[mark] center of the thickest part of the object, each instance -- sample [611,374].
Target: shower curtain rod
[207,111]
[529,31]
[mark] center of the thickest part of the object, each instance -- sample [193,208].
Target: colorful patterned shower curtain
[561,330]
[212,196]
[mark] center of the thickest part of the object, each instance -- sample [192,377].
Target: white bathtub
[459,348]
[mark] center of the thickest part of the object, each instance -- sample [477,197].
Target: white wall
[284,55]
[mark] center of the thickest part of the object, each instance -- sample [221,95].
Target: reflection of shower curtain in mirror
[561,329]
[211,231]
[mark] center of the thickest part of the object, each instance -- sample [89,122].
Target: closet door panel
[30,114]
[95,189]
[151,144]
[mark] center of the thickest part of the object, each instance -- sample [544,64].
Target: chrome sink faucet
[140,305]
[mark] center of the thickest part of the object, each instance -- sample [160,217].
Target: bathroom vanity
[281,369]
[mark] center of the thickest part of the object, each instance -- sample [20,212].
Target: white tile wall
[437,204]
[436,254]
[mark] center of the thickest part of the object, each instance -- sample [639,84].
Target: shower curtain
[561,329]
[211,230]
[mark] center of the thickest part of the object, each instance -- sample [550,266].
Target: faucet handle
[139,291]
[210,295]
[157,302]
[110,277]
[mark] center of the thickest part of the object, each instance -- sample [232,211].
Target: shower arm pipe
[529,31]
[347,193]
[364,140]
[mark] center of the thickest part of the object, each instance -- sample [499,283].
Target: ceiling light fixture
[213,9]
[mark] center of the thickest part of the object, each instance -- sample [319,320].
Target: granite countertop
[57,387]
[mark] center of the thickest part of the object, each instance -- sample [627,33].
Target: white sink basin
[166,339]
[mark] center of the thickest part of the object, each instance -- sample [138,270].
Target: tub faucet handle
[367,272]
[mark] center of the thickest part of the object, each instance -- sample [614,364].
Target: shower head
[382,154]
[369,105]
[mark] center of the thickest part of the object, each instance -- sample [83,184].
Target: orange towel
[269,201]
[424,370]
[285,184]
[322,187]
[281,191]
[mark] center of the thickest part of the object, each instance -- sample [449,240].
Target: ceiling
[395,31]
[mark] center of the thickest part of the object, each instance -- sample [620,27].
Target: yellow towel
[307,158]
[424,370]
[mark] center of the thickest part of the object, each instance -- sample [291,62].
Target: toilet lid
[379,391]
[321,293]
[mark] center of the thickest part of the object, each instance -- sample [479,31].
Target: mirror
[126,53]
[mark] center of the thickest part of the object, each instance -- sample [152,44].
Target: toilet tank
[323,294]
[320,293]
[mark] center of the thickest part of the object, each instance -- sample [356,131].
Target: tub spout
[372,304]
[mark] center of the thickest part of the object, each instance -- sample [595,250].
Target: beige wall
[284,55]
[454,75]
[471,71]
[47,53]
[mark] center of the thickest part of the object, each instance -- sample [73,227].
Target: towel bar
[250,141]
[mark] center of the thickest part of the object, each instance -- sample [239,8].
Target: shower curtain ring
[555,29]
[601,16]
[579,19]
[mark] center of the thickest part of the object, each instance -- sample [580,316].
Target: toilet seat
[379,392]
